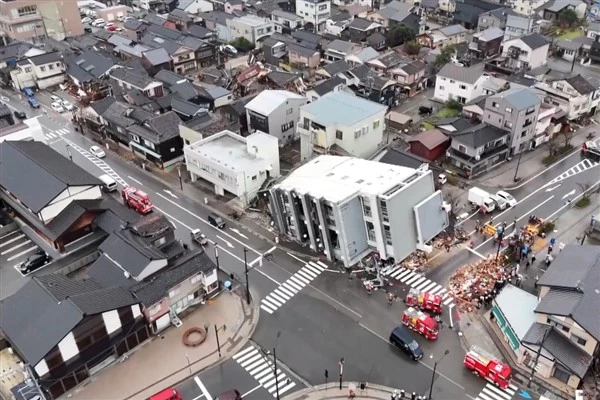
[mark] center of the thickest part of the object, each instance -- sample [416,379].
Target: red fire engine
[424,300]
[136,199]
[420,322]
[488,367]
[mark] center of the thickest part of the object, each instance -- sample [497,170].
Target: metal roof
[519,98]
[479,135]
[534,41]
[430,139]
[517,306]
[267,101]
[462,74]
[341,108]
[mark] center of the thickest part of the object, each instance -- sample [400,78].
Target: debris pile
[415,261]
[473,284]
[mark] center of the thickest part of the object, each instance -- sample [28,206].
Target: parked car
[33,103]
[501,204]
[167,394]
[230,395]
[228,49]
[86,20]
[20,114]
[110,28]
[28,92]
[97,152]
[509,199]
[56,99]
[57,107]
[34,262]
[424,110]
[67,105]
[216,221]
[99,23]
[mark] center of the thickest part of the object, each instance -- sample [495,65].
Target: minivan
[33,103]
[108,183]
[405,342]
[28,92]
[216,221]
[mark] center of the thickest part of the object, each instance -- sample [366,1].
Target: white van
[109,184]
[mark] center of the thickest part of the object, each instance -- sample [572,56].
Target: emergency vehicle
[424,300]
[420,322]
[487,366]
[136,199]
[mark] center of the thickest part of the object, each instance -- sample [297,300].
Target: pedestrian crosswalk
[293,285]
[420,282]
[578,168]
[493,392]
[57,133]
[255,362]
[98,162]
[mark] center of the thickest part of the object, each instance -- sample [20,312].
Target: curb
[315,390]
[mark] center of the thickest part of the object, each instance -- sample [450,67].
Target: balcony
[527,123]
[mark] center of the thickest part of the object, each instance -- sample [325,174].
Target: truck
[481,199]
[488,367]
[424,300]
[591,150]
[420,322]
[137,200]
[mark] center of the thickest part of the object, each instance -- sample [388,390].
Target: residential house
[366,83]
[251,27]
[364,55]
[89,72]
[183,57]
[478,149]
[462,84]
[91,325]
[408,73]
[398,156]
[275,112]
[528,7]
[376,41]
[338,50]
[486,43]
[394,13]
[323,203]
[445,36]
[495,18]
[430,145]
[200,32]
[447,7]
[157,139]
[360,29]
[467,12]
[123,80]
[515,111]
[303,57]
[575,95]
[40,72]
[552,9]
[275,51]
[156,6]
[337,28]
[333,69]
[215,96]
[16,51]
[26,20]
[195,7]
[286,22]
[341,123]
[322,88]
[134,29]
[216,21]
[156,59]
[234,164]
[519,25]
[593,30]
[233,6]
[314,12]
[526,52]
[179,20]
[594,10]
[235,115]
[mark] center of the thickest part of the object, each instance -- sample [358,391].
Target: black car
[424,110]
[405,342]
[20,114]
[34,262]
[230,395]
[216,221]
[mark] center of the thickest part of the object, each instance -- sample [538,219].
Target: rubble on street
[415,261]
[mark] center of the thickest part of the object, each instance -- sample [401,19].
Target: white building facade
[41,71]
[347,208]
[251,27]
[458,83]
[315,12]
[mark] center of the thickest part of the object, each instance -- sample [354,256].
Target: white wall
[309,14]
[65,198]
[446,90]
[153,267]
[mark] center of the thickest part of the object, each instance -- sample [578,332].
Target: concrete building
[575,95]
[347,208]
[526,52]
[515,111]
[251,27]
[41,71]
[29,19]
[341,123]
[519,25]
[29,129]
[275,112]
[234,164]
[314,12]
[286,22]
[462,84]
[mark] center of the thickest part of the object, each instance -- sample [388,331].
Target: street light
[517,169]
[246,272]
[69,152]
[275,364]
[217,258]
[222,328]
[434,369]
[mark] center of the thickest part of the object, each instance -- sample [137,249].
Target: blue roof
[342,108]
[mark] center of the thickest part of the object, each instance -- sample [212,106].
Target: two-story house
[41,71]
[575,95]
[303,57]
[515,111]
[462,84]
[124,79]
[552,9]
[286,22]
[593,30]
[251,27]
[528,7]
[478,149]
[394,13]
[338,50]
[494,19]
[520,25]
[526,52]
[360,29]
[314,12]
[444,36]
[343,124]
[368,84]
[486,43]
[275,112]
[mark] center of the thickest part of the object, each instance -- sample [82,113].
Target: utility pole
[276,377]
[247,282]
[341,371]
[537,355]
[180,180]
[500,238]
[217,259]
[518,163]
[434,369]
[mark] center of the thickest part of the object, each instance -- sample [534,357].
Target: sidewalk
[164,361]
[332,391]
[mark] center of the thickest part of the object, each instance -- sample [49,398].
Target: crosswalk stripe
[282,294]
[270,385]
[267,377]
[483,396]
[242,352]
[304,275]
[264,372]
[445,295]
[429,287]
[248,354]
[292,286]
[316,266]
[286,291]
[576,169]
[251,367]
[250,360]
[408,276]
[271,301]
[50,135]
[413,279]
[276,297]
[497,391]
[419,282]
[513,387]
[398,273]
[322,264]
[297,281]
[259,368]
[448,301]
[312,272]
[264,307]
[288,387]
[439,288]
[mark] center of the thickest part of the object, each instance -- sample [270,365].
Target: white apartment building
[285,21]
[528,7]
[575,95]
[347,208]
[341,123]
[315,12]
[275,112]
[234,164]
[462,84]
[526,52]
[251,27]
[41,71]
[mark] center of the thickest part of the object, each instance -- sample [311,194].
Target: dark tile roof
[479,135]
[337,67]
[134,25]
[185,90]
[89,65]
[581,84]
[157,287]
[15,50]
[179,15]
[413,67]
[107,274]
[100,106]
[281,78]
[299,49]
[35,173]
[40,314]
[169,77]
[136,78]
[167,33]
[132,252]
[68,216]
[152,225]
[157,56]
[186,108]
[155,41]
[166,125]
[395,156]
[360,24]
[559,302]
[376,38]
[117,114]
[306,36]
[534,40]
[47,58]
[327,86]
[577,268]
[199,31]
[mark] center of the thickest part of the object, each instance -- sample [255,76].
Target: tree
[585,189]
[399,34]
[568,18]
[242,43]
[412,48]
[567,133]
[552,147]
[445,56]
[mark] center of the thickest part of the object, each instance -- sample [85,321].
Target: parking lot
[15,247]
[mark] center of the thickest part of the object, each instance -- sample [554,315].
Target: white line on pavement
[203,388]
[250,391]
[21,253]
[574,199]
[476,253]
[11,249]
[12,240]
[135,180]
[297,258]
[545,170]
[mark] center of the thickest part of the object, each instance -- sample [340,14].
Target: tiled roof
[534,41]
[462,74]
[479,135]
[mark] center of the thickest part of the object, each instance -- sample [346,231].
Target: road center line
[135,180]
[297,258]
[574,199]
[247,393]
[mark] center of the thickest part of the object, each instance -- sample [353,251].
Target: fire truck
[136,199]
[487,366]
[420,322]
[424,300]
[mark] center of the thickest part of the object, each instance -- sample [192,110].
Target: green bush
[547,227]
[549,159]
[583,202]
[242,43]
[454,105]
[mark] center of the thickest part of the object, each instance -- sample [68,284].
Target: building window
[442,88]
[495,105]
[365,130]
[462,149]
[578,340]
[160,241]
[339,135]
[452,81]
[376,124]
[558,325]
[289,111]
[27,10]
[135,138]
[50,67]
[463,87]
[196,279]
[357,134]
[287,126]
[148,144]
[388,234]
[524,133]
[508,124]
[560,373]
[530,110]
[43,69]
[254,177]
[173,293]
[508,110]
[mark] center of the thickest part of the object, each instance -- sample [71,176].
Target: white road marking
[135,180]
[12,240]
[238,232]
[21,253]
[225,241]
[15,247]
[250,391]
[203,388]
